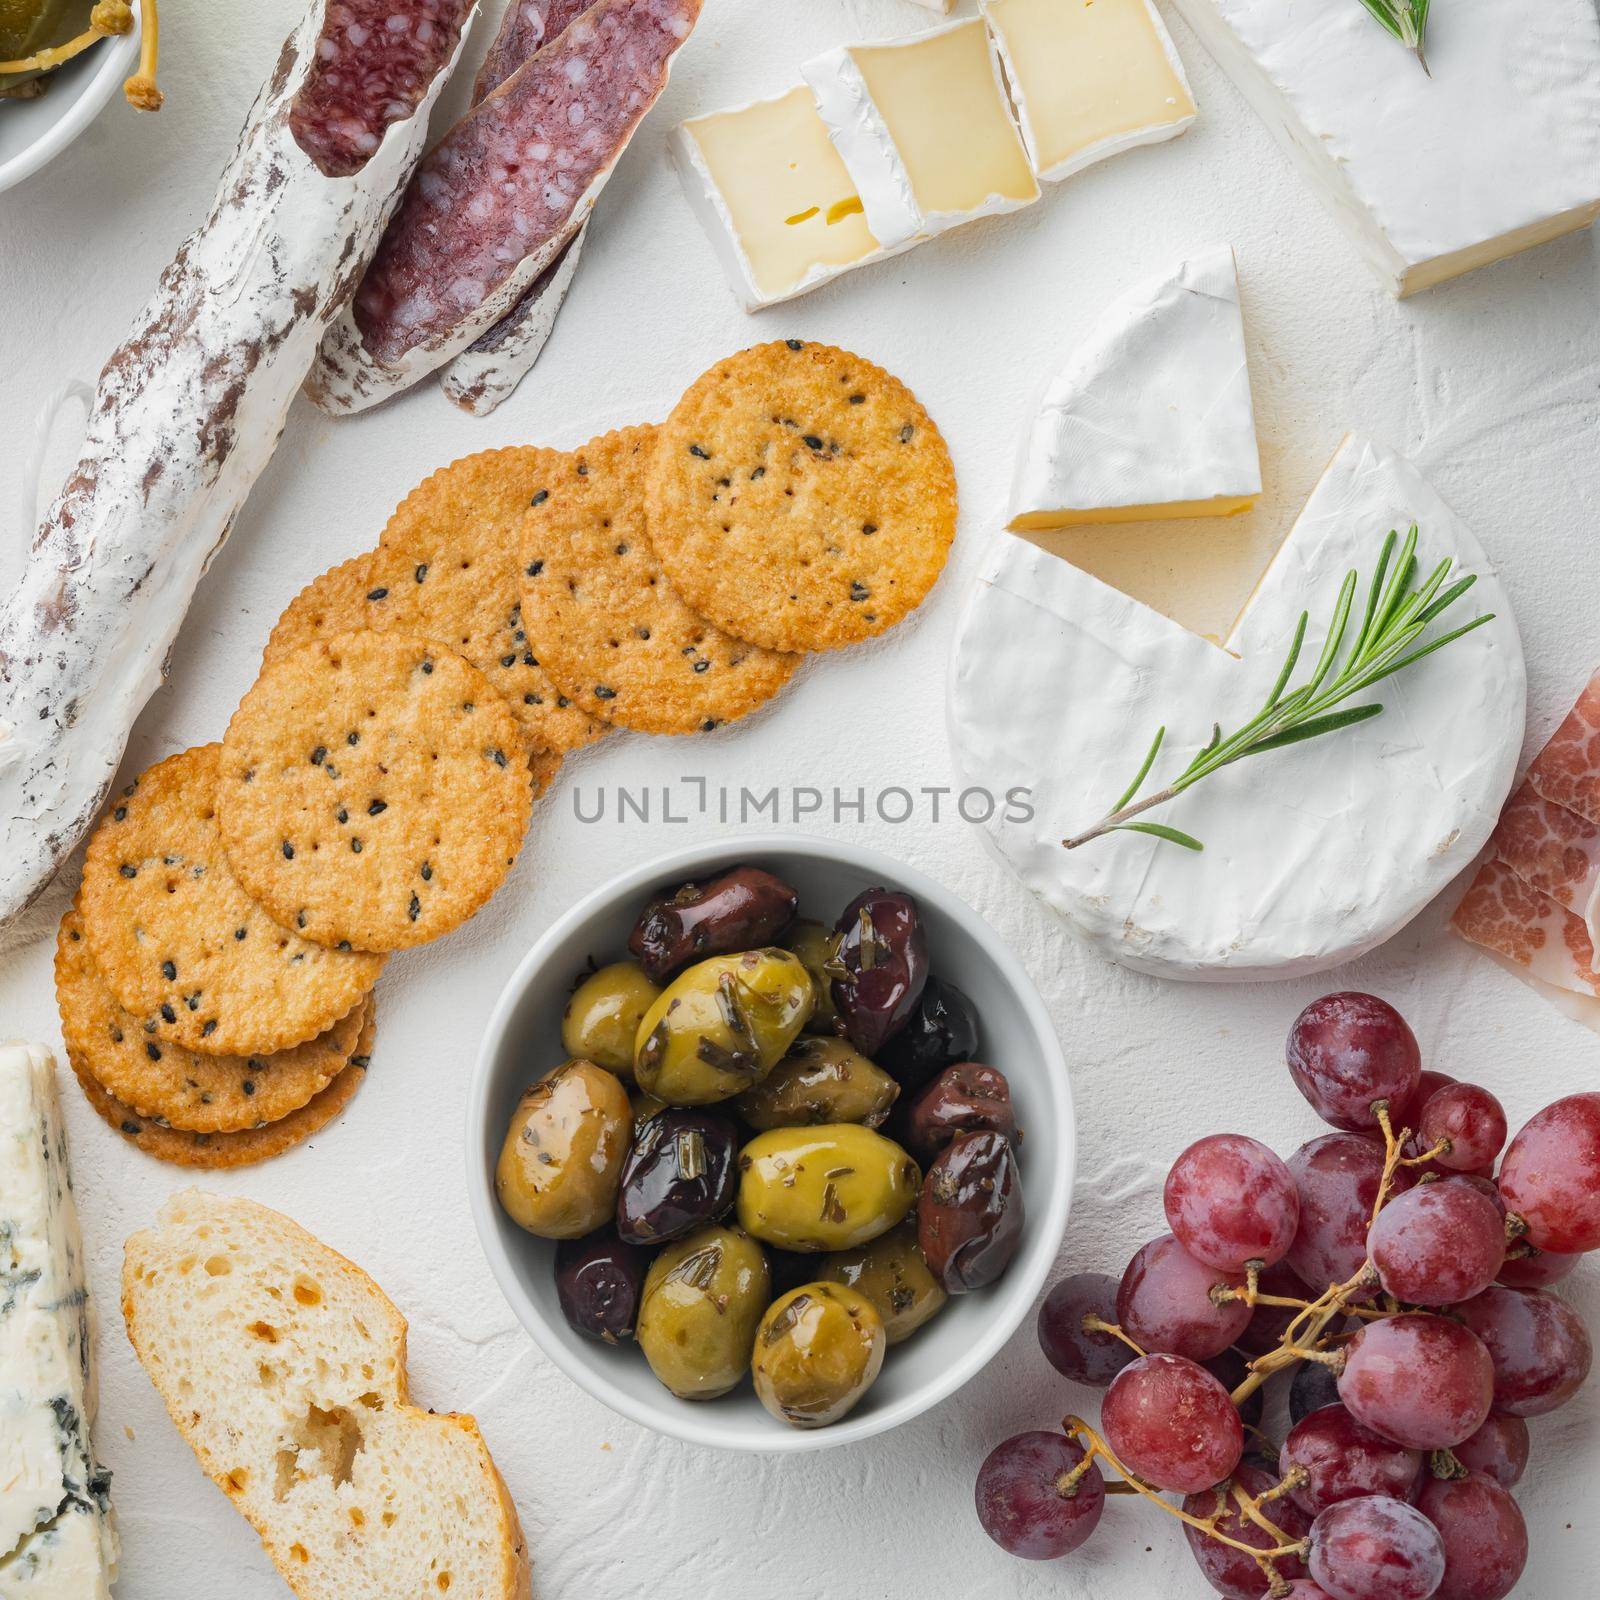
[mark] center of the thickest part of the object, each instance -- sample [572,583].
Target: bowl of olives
[770,1143]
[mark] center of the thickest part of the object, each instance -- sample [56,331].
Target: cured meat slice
[189,410]
[1553,849]
[499,197]
[374,62]
[524,28]
[1567,770]
[1533,935]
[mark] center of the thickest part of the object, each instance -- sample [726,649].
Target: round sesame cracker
[460,528]
[219,1150]
[374,790]
[183,946]
[602,617]
[178,1087]
[800,497]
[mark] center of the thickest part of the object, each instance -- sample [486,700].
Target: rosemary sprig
[1388,639]
[1407,20]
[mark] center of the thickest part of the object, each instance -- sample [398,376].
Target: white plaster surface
[1492,383]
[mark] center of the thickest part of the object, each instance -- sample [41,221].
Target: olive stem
[1094,1324]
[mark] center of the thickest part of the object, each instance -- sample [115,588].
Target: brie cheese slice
[1313,853]
[57,1541]
[924,129]
[1151,414]
[1089,78]
[1431,176]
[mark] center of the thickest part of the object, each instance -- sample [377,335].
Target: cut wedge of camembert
[57,1541]
[1313,853]
[1151,414]
[1496,148]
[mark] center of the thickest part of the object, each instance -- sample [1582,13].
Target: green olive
[820,1080]
[817,946]
[827,1188]
[722,1026]
[703,1298]
[603,1016]
[817,1351]
[891,1273]
[561,1164]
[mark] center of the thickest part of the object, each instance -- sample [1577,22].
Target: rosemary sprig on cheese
[1387,641]
[1407,20]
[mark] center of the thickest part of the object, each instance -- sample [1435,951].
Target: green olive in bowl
[703,1298]
[722,1026]
[603,1016]
[826,1188]
[891,1273]
[817,947]
[817,1351]
[820,1080]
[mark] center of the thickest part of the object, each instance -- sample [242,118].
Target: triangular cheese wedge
[1313,853]
[1151,416]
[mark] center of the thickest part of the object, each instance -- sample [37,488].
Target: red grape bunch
[1390,1271]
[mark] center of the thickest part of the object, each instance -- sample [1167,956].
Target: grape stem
[1094,1324]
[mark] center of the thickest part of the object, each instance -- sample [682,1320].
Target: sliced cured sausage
[524,29]
[498,199]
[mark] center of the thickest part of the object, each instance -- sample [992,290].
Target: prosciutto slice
[1526,927]
[1567,770]
[1553,850]
[189,409]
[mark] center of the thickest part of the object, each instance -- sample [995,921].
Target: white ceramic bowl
[523,1041]
[32,132]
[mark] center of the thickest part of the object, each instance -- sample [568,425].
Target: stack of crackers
[373,788]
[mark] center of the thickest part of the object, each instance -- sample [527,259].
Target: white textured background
[1493,383]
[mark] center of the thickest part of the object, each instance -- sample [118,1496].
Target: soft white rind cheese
[1151,409]
[1314,853]
[57,1541]
[1431,176]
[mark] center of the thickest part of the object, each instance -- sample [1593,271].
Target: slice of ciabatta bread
[284,1366]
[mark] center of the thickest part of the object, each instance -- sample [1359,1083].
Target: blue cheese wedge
[57,1539]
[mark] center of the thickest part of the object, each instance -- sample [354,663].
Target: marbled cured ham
[189,409]
[1552,849]
[499,198]
[1567,770]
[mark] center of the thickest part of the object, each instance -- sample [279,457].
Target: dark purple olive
[969,1098]
[678,1176]
[941,1030]
[969,1214]
[599,1280]
[741,910]
[885,961]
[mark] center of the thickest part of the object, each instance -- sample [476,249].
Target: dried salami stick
[524,29]
[498,198]
[189,409]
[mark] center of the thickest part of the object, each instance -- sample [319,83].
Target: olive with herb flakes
[820,1080]
[741,910]
[722,1026]
[885,961]
[603,1016]
[941,1030]
[599,1282]
[891,1273]
[817,1351]
[818,949]
[703,1298]
[827,1188]
[679,1175]
[968,1098]
[969,1215]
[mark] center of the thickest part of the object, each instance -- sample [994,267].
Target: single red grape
[1536,1269]
[1344,1460]
[1420,1380]
[1172,1424]
[1348,1051]
[1231,1572]
[1164,1303]
[1551,1175]
[1485,1539]
[1230,1370]
[1026,1504]
[1538,1344]
[1485,1185]
[1376,1548]
[1313,1387]
[1470,1120]
[1499,1449]
[1429,1083]
[1077,1352]
[1305,1589]
[1337,1177]
[1438,1243]
[1268,1323]
[1230,1201]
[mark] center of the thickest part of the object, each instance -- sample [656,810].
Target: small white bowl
[33,132]
[523,1041]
